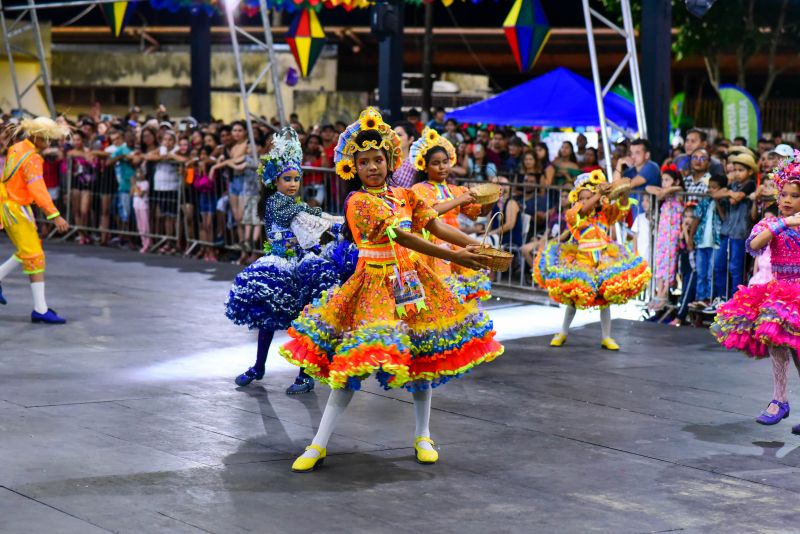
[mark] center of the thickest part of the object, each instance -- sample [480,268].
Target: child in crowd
[706,238]
[729,257]
[124,162]
[765,195]
[141,208]
[205,189]
[669,231]
[641,229]
[686,265]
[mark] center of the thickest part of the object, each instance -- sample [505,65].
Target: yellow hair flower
[345,169]
[597,177]
[420,163]
[432,136]
[370,119]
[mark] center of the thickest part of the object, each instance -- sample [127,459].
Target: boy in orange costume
[21,185]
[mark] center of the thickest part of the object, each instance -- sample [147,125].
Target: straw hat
[746,160]
[43,128]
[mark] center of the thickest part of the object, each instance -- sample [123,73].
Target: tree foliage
[743,28]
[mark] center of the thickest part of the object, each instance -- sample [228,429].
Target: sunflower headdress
[346,148]
[788,171]
[588,181]
[430,138]
[286,155]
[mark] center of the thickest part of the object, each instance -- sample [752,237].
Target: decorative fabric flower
[345,169]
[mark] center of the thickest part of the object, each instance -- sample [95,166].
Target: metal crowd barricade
[96,207]
[91,204]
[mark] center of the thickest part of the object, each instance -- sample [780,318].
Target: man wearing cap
[22,184]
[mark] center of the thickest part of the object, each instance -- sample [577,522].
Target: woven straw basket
[486,194]
[492,258]
[619,188]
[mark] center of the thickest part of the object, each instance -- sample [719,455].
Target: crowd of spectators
[135,180]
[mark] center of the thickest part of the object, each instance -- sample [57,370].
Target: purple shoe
[796,429]
[51,317]
[766,418]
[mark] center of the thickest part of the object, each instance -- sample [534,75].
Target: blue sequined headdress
[286,155]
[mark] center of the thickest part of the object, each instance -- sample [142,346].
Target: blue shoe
[796,429]
[767,418]
[248,376]
[2,298]
[51,317]
[298,388]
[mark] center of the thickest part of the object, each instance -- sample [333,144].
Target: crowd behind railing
[170,187]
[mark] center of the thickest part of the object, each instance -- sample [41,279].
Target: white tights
[337,404]
[605,320]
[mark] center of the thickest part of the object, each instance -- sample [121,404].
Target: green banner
[676,110]
[740,116]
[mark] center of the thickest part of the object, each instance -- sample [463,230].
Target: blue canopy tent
[559,99]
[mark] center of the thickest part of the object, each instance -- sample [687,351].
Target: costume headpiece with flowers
[586,181]
[429,139]
[285,155]
[788,171]
[347,148]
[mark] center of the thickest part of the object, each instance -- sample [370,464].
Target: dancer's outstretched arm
[465,256]
[448,233]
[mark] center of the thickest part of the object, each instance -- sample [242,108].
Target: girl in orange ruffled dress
[433,157]
[394,317]
[590,270]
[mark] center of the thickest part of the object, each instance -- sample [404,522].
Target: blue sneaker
[248,376]
[766,418]
[304,386]
[2,298]
[51,317]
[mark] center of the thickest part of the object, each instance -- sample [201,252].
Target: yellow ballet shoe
[424,456]
[558,340]
[304,465]
[609,344]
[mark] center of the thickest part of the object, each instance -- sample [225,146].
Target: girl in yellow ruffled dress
[433,157]
[591,270]
[394,317]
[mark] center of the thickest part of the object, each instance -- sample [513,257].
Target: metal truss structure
[630,60]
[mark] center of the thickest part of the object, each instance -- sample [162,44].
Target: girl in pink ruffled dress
[764,319]
[762,273]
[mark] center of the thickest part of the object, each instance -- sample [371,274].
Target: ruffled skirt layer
[357,330]
[271,292]
[584,280]
[760,316]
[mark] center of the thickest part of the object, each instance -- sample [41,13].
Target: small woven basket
[619,188]
[486,194]
[492,258]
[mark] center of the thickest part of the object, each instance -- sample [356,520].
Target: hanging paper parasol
[527,31]
[306,39]
[116,13]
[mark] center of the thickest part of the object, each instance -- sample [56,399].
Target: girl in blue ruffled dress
[303,256]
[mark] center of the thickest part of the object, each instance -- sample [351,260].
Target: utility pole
[656,39]
[427,64]
[200,51]
[387,25]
